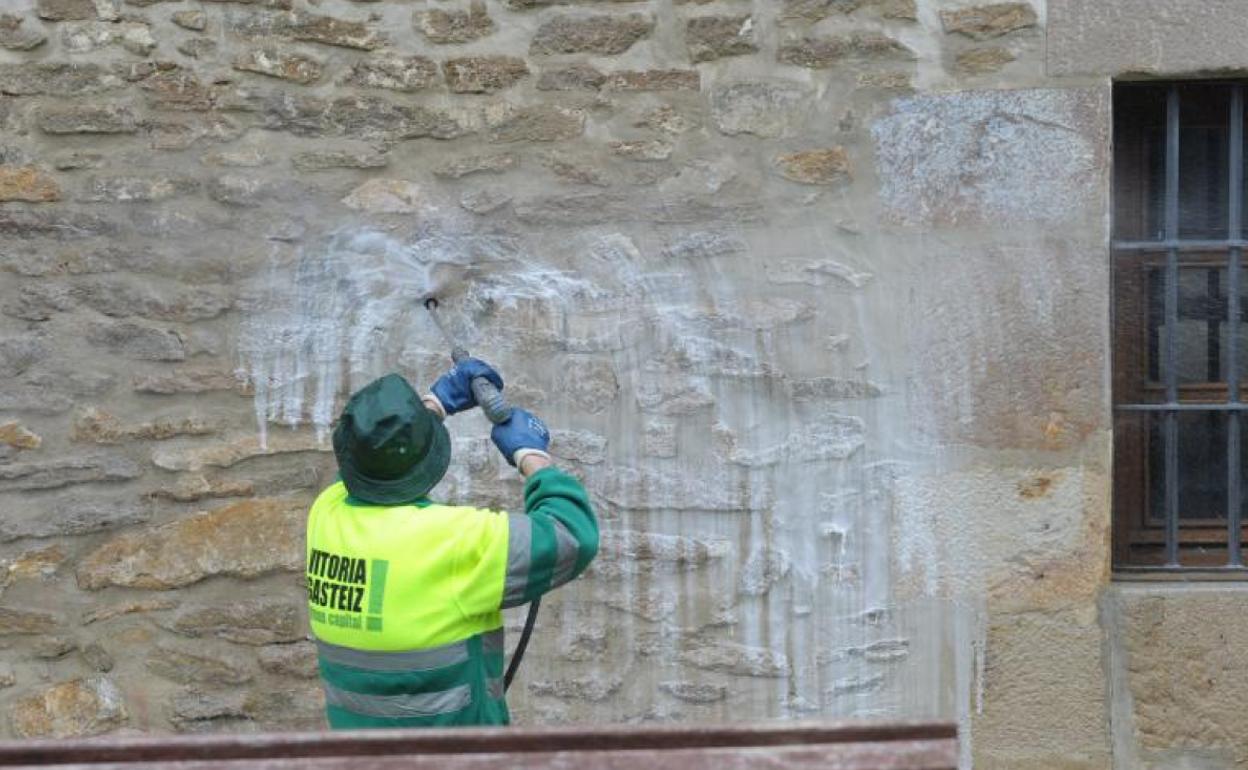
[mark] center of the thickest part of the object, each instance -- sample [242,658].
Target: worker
[404,593]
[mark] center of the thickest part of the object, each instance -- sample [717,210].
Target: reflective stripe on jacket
[405,600]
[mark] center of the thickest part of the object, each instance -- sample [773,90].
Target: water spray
[496,408]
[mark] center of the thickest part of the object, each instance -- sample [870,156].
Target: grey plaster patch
[993,157]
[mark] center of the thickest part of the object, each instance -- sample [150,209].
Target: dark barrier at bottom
[795,745]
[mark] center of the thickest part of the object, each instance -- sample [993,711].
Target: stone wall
[813,292]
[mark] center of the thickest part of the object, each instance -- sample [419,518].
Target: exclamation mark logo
[376,593]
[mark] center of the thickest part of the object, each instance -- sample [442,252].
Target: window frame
[1134,525]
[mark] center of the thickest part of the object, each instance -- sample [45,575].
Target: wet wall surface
[813,295]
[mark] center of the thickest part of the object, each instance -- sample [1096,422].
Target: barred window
[1180,340]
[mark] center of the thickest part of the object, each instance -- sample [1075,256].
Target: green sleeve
[553,541]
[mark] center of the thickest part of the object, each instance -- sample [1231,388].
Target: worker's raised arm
[556,537]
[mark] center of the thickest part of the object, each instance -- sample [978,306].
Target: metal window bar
[1172,245]
[1233,226]
[1171,425]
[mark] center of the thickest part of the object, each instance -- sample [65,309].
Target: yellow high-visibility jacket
[405,600]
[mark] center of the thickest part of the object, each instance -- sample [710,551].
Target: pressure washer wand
[497,410]
[488,397]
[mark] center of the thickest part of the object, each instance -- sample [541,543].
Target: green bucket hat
[390,448]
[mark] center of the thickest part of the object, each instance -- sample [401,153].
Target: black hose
[518,655]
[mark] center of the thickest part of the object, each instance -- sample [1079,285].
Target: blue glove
[454,389]
[523,433]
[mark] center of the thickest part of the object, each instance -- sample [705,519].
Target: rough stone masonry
[791,279]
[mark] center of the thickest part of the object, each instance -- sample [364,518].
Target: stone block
[192,708]
[822,52]
[1175,670]
[92,425]
[817,10]
[667,119]
[819,439]
[75,10]
[1044,675]
[1048,165]
[196,20]
[360,117]
[88,119]
[388,196]
[53,647]
[987,21]
[591,384]
[658,439]
[179,90]
[526,4]
[764,568]
[135,189]
[29,184]
[454,26]
[653,80]
[57,79]
[186,667]
[283,5]
[577,446]
[139,342]
[642,149]
[255,622]
[650,489]
[193,488]
[249,157]
[820,272]
[395,73]
[597,34]
[64,471]
[578,171]
[180,381]
[833,389]
[15,621]
[198,47]
[298,660]
[243,191]
[16,435]
[694,692]
[16,37]
[652,605]
[734,658]
[574,77]
[820,167]
[245,539]
[593,689]
[276,63]
[704,245]
[628,552]
[714,37]
[483,74]
[484,201]
[326,160]
[982,60]
[465,165]
[764,108]
[127,608]
[1170,37]
[71,517]
[538,123]
[233,450]
[39,302]
[73,709]
[86,36]
[308,28]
